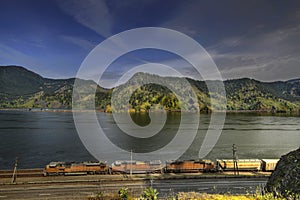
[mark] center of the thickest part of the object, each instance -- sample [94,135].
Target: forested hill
[21,88]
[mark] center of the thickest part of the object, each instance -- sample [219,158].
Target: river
[37,138]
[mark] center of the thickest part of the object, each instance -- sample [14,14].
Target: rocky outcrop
[285,180]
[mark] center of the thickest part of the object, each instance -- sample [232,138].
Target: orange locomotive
[76,168]
[189,166]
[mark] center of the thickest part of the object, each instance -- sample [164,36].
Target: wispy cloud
[92,14]
[80,42]
[267,56]
[7,54]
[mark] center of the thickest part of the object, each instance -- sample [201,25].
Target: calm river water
[37,138]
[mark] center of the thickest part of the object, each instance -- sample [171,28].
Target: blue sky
[256,39]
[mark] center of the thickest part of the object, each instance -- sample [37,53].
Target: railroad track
[22,173]
[81,190]
[39,172]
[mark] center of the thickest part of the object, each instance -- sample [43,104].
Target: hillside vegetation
[21,88]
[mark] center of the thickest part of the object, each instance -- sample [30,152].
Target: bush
[149,194]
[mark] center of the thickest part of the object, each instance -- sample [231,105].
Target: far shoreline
[64,110]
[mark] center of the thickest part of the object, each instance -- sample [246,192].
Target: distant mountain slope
[242,94]
[16,81]
[21,88]
[19,81]
[249,94]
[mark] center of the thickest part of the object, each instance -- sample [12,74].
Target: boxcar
[136,167]
[269,164]
[243,165]
[189,166]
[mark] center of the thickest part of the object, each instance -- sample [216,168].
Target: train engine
[136,167]
[76,168]
[189,166]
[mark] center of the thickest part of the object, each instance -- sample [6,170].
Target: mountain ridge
[22,88]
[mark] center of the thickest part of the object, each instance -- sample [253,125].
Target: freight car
[76,168]
[189,166]
[136,167]
[247,164]
[242,165]
[269,164]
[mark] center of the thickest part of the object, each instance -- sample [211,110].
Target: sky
[257,39]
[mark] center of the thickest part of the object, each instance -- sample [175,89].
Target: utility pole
[131,163]
[14,176]
[235,160]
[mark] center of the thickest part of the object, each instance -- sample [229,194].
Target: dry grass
[194,196]
[203,196]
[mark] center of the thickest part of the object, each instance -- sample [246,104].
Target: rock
[285,180]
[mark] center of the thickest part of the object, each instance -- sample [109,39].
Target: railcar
[189,166]
[269,164]
[136,167]
[242,165]
[76,168]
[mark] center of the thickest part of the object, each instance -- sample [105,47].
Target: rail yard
[80,187]
[77,180]
[221,166]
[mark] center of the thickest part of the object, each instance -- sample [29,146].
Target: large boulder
[285,180]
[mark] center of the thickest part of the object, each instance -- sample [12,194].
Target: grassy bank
[200,196]
[191,196]
[152,194]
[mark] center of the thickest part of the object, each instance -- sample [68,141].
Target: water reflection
[40,137]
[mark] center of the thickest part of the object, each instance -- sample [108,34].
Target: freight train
[156,166]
